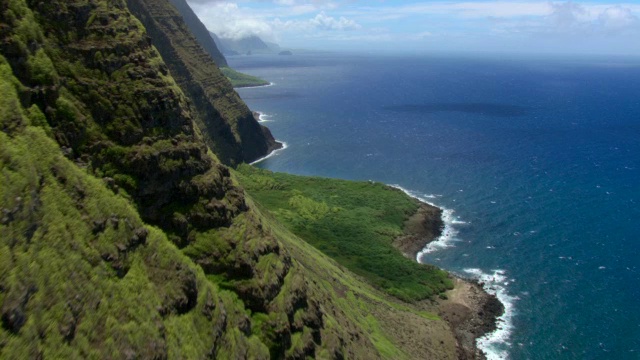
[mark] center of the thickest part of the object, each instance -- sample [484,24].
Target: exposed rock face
[472,313]
[227,124]
[420,229]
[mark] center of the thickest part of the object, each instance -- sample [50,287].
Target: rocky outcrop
[420,229]
[471,313]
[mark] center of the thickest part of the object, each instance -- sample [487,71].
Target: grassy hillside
[81,276]
[354,223]
[98,144]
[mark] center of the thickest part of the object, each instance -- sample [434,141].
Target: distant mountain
[223,45]
[273,46]
[247,45]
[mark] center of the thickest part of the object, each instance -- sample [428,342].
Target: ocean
[536,161]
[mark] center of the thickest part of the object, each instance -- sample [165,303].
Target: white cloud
[618,19]
[512,22]
[320,22]
[324,22]
[228,20]
[231,20]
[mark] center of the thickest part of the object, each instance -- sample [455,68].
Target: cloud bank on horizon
[599,27]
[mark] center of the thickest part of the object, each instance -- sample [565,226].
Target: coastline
[280,145]
[273,145]
[471,312]
[259,116]
[253,86]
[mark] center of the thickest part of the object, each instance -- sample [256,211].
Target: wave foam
[257,86]
[449,233]
[273,153]
[262,117]
[495,344]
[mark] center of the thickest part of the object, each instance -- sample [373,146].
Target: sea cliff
[125,233]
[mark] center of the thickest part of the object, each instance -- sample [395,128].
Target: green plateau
[354,223]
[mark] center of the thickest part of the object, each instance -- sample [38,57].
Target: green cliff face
[122,235]
[199,31]
[83,277]
[227,124]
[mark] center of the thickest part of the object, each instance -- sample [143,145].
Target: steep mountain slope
[199,31]
[98,139]
[201,34]
[218,110]
[81,276]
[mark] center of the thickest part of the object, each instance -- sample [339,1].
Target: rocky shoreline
[469,310]
[420,229]
[272,143]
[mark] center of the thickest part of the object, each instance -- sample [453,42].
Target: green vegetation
[239,79]
[227,125]
[123,236]
[81,276]
[352,222]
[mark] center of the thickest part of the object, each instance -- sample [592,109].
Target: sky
[591,27]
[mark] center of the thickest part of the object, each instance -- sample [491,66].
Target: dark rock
[139,236]
[13,319]
[13,310]
[98,226]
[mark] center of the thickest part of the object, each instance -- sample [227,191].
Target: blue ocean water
[537,162]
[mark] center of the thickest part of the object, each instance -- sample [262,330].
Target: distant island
[285,52]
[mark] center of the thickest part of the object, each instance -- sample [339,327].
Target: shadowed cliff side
[227,124]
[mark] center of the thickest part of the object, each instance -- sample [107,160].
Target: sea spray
[273,153]
[449,233]
[257,86]
[495,344]
[262,117]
